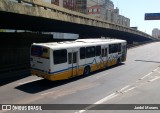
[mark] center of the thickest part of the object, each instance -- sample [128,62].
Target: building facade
[97,11]
[109,5]
[74,5]
[104,9]
[156,33]
[96,8]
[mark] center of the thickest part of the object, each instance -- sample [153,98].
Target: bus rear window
[40,52]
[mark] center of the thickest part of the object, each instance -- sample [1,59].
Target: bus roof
[79,43]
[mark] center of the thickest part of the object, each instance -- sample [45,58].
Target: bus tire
[86,70]
[118,61]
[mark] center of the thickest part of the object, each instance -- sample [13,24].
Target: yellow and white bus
[64,60]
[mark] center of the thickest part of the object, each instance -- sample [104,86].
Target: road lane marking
[156,69]
[149,73]
[129,89]
[146,75]
[111,96]
[123,88]
[106,98]
[153,79]
[29,81]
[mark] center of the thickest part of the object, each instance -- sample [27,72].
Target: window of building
[90,10]
[99,10]
[95,10]
[60,56]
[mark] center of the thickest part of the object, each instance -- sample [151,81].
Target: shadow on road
[147,61]
[41,85]
[6,78]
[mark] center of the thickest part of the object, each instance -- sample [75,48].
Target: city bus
[64,60]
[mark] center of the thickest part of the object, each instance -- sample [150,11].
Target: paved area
[134,82]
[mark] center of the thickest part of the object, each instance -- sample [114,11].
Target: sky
[136,9]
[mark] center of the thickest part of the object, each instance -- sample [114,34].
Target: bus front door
[73,63]
[104,55]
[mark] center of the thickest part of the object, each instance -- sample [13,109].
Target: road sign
[152,16]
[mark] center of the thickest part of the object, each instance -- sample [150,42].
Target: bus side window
[124,49]
[103,54]
[106,51]
[82,53]
[98,50]
[90,52]
[60,56]
[69,58]
[110,49]
[119,47]
[74,57]
[114,48]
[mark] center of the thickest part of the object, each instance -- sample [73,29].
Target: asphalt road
[136,81]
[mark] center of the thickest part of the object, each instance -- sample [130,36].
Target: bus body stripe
[69,67]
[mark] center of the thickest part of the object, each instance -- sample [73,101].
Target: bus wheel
[118,61]
[86,70]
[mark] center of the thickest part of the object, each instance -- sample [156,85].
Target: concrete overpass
[36,15]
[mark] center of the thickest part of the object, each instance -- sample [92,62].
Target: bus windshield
[39,51]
